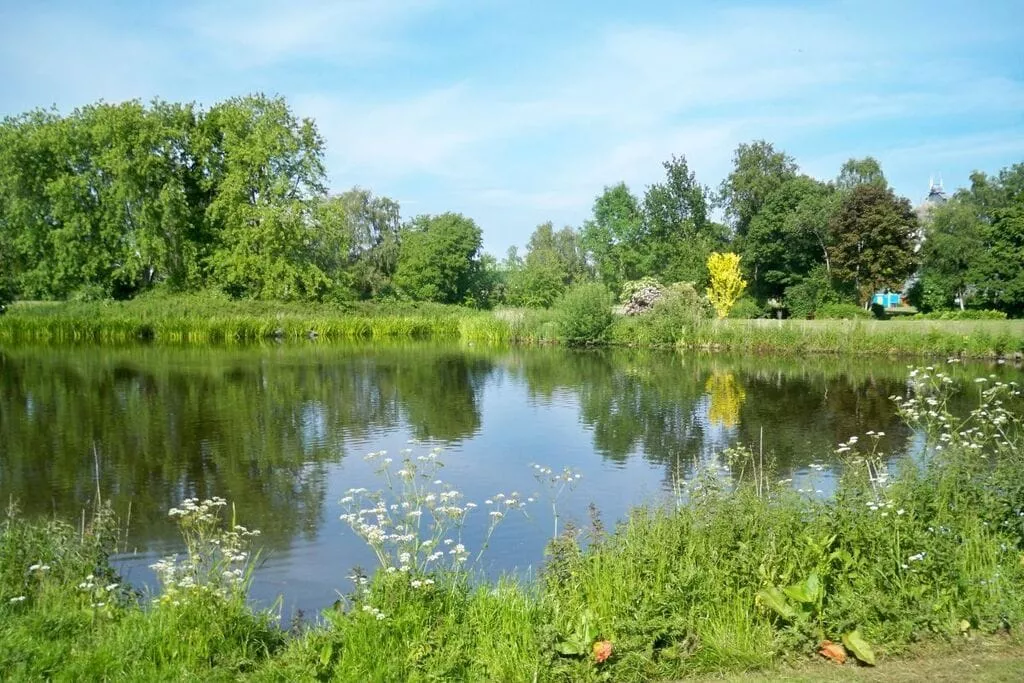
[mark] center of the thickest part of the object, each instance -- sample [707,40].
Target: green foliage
[373,232]
[612,237]
[677,235]
[584,313]
[999,201]
[856,172]
[872,236]
[758,171]
[842,312]
[789,237]
[439,258]
[815,291]
[554,261]
[972,314]
[746,307]
[672,319]
[953,250]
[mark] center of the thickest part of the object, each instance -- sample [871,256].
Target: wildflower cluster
[992,428]
[414,525]
[871,459]
[99,595]
[555,484]
[217,560]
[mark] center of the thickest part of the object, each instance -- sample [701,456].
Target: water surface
[281,431]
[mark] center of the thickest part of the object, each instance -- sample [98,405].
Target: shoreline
[194,321]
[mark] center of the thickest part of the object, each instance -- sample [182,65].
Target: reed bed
[209,320]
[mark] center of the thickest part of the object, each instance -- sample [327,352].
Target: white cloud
[254,33]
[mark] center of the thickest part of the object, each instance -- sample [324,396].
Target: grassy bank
[204,319]
[969,338]
[723,578]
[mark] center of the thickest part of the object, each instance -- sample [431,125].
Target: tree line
[113,200]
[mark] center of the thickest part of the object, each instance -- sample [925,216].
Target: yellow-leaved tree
[727,284]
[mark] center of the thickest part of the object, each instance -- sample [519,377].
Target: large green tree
[612,236]
[268,168]
[439,258]
[952,255]
[677,235]
[789,236]
[999,202]
[856,172]
[554,260]
[872,234]
[374,225]
[758,170]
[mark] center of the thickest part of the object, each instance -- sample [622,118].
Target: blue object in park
[886,299]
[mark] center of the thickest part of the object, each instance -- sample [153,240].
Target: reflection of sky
[518,427]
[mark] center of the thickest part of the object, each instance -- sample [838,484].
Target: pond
[282,430]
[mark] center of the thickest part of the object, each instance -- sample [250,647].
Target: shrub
[815,291]
[679,309]
[746,307]
[841,312]
[584,313]
[630,288]
[961,315]
[89,292]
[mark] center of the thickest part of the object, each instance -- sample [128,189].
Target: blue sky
[519,112]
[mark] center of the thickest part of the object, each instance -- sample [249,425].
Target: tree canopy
[113,200]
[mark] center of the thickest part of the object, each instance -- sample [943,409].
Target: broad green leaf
[808,591]
[773,598]
[564,647]
[856,644]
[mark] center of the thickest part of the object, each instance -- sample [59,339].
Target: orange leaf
[602,650]
[834,651]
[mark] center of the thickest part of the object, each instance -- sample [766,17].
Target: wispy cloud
[255,33]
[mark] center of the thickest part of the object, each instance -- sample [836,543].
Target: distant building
[936,198]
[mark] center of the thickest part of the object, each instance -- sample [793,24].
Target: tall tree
[268,167]
[789,236]
[873,240]
[1000,205]
[554,260]
[677,235]
[374,225]
[612,236]
[952,254]
[856,172]
[758,170]
[439,258]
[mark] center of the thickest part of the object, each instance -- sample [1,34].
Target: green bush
[584,313]
[841,312]
[817,290]
[747,307]
[89,292]
[961,315]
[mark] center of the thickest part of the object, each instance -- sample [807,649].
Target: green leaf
[773,598]
[564,647]
[856,644]
[807,592]
[326,652]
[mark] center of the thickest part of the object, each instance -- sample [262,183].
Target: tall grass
[975,338]
[202,319]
